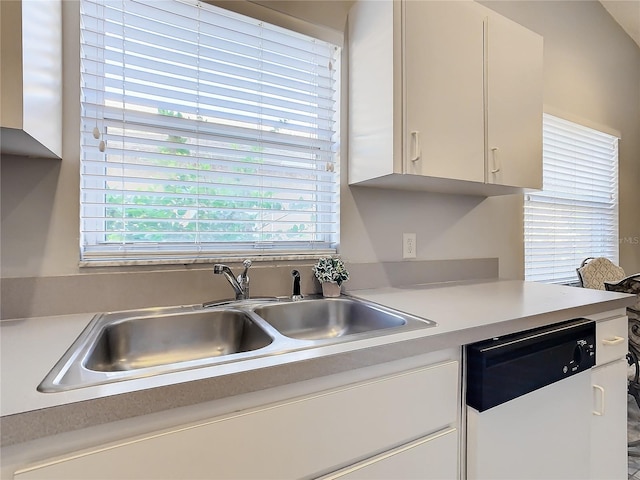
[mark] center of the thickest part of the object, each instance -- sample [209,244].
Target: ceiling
[627,14]
[333,12]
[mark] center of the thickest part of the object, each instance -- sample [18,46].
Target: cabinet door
[434,457]
[514,104]
[443,67]
[375,148]
[609,421]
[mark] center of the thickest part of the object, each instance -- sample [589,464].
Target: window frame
[105,255]
[566,140]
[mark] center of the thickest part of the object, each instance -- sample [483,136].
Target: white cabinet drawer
[611,340]
[431,458]
[303,437]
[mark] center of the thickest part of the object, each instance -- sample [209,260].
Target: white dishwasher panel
[544,434]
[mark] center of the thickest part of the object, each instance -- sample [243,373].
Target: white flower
[331,270]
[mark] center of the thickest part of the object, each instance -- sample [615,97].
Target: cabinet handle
[496,166]
[601,390]
[417,148]
[614,341]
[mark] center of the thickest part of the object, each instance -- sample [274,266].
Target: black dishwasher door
[504,368]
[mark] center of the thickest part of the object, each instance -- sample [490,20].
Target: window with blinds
[204,134]
[575,216]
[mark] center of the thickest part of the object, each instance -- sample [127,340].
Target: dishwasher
[528,403]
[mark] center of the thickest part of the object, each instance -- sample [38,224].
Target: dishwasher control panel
[584,356]
[504,368]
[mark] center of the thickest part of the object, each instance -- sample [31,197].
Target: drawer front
[431,458]
[611,340]
[303,437]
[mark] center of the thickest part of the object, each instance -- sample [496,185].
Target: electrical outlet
[408,245]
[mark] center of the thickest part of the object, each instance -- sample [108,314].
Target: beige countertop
[465,313]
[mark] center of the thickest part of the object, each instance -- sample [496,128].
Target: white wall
[592,69]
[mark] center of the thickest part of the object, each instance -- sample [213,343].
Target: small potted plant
[331,273]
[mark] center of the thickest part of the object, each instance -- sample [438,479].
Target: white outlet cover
[409,245]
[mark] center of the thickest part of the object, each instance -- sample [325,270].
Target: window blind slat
[210,132]
[576,214]
[240,66]
[204,132]
[204,147]
[191,201]
[147,84]
[144,183]
[207,156]
[168,14]
[162,106]
[179,64]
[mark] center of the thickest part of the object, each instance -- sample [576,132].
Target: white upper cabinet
[443,65]
[514,104]
[445,97]
[31,78]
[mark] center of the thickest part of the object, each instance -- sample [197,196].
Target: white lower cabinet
[609,422]
[608,459]
[430,458]
[304,437]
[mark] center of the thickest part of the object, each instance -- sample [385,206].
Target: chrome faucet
[241,284]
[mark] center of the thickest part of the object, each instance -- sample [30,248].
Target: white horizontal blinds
[576,214]
[219,133]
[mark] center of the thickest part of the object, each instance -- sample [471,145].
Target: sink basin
[143,342]
[319,319]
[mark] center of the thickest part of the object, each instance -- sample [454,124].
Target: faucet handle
[246,264]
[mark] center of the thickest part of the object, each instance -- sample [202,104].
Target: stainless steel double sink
[140,343]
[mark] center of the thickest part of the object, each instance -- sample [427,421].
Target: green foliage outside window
[146,216]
